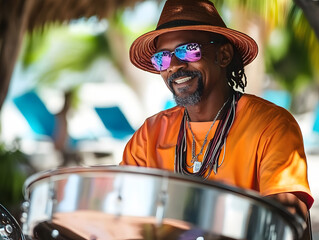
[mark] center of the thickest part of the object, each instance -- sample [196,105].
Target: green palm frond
[76,53]
[33,47]
[305,34]
[301,51]
[287,61]
[55,49]
[13,173]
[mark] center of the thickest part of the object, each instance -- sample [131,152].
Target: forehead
[171,40]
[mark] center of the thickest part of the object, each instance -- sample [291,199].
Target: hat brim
[143,47]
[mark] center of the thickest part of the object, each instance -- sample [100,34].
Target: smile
[182,80]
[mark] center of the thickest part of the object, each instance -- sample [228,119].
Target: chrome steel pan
[137,203]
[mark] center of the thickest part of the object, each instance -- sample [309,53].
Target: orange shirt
[264,148]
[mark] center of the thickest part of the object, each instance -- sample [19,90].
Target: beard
[192,98]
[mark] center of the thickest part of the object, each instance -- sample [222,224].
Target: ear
[225,54]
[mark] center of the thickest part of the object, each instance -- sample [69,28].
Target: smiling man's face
[190,82]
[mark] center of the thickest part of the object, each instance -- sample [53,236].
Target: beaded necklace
[196,164]
[215,145]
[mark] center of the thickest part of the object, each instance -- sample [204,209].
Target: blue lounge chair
[115,122]
[43,124]
[41,121]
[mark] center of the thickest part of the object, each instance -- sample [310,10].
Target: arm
[283,164]
[283,167]
[295,206]
[135,150]
[292,203]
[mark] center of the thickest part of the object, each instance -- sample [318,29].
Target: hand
[295,206]
[292,202]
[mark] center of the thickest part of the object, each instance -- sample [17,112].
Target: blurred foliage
[287,61]
[58,49]
[291,47]
[306,35]
[14,169]
[129,32]
[291,53]
[273,12]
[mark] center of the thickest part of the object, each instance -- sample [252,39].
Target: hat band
[179,23]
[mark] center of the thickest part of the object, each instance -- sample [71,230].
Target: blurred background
[70,96]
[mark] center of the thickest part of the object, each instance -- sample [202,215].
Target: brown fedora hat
[180,15]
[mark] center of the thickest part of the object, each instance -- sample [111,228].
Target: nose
[176,64]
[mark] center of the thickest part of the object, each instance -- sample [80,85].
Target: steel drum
[117,202]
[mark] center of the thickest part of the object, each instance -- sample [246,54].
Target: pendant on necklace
[196,167]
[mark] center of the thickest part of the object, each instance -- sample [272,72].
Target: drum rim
[297,223]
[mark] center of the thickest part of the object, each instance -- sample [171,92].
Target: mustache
[183,73]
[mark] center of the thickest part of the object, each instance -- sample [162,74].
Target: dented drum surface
[116,202]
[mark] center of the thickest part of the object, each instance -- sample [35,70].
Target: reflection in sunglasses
[190,52]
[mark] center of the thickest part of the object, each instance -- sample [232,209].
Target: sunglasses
[190,52]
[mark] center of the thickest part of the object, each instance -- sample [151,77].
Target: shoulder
[260,108]
[161,122]
[166,116]
[263,116]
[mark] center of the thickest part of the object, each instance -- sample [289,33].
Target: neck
[206,110]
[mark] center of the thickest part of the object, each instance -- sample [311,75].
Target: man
[215,132]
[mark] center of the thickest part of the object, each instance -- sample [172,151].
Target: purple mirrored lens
[161,60]
[189,53]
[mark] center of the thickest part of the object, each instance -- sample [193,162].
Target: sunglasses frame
[171,53]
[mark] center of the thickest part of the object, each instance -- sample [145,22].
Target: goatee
[192,98]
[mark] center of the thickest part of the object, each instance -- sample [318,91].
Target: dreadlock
[235,72]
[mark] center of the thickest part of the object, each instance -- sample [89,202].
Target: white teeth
[182,80]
